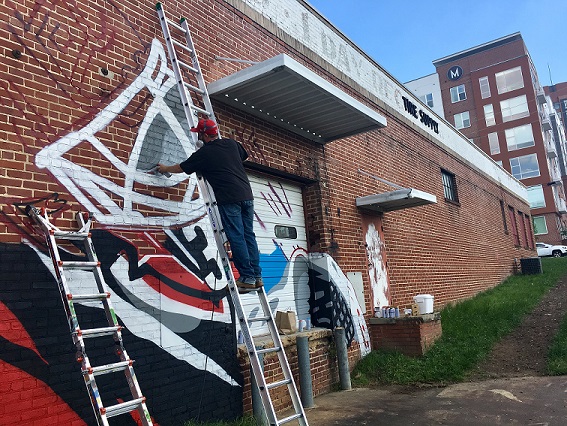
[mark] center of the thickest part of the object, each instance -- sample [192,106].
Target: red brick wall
[323,364]
[411,336]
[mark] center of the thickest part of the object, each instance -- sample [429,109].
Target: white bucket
[424,303]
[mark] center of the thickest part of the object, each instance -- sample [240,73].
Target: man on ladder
[219,161]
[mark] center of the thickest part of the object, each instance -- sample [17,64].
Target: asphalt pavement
[527,401]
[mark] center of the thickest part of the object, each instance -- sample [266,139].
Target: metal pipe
[304,363]
[342,358]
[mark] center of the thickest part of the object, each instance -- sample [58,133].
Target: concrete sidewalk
[517,401]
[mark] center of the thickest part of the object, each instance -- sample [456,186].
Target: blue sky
[406,36]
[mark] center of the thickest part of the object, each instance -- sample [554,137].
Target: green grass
[470,330]
[244,421]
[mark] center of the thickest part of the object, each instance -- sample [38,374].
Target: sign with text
[423,117]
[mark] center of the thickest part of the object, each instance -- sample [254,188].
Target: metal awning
[403,198]
[282,91]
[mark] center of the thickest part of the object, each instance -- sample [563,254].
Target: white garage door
[280,232]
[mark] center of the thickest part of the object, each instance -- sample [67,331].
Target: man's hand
[168,170]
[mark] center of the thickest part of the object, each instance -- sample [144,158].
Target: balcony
[540,94]
[551,152]
[546,124]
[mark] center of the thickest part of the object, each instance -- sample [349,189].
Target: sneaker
[244,287]
[259,282]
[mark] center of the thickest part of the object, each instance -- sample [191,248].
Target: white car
[549,250]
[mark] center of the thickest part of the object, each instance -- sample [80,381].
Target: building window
[503,212]
[449,186]
[458,93]
[484,87]
[489,115]
[514,108]
[522,230]
[499,162]
[462,120]
[509,80]
[287,232]
[536,197]
[494,144]
[519,137]
[427,99]
[525,166]
[513,226]
[540,227]
[529,232]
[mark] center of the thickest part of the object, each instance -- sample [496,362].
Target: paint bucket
[424,303]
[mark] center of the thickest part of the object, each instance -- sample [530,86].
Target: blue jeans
[238,222]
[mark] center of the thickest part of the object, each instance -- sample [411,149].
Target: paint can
[308,323]
[302,325]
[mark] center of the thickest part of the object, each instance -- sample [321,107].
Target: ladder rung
[109,368]
[64,235]
[123,407]
[258,319]
[202,111]
[94,296]
[269,350]
[194,89]
[71,264]
[187,66]
[98,332]
[278,384]
[183,46]
[290,418]
[174,25]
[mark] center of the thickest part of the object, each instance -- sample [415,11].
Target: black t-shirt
[220,162]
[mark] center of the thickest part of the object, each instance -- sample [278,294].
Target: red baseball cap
[208,126]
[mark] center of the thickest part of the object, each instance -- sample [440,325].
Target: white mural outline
[78,179]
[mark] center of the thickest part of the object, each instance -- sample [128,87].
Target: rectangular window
[535,196]
[521,230]
[519,137]
[427,99]
[489,115]
[540,227]
[525,166]
[449,186]
[484,87]
[503,212]
[509,80]
[499,162]
[529,232]
[458,93]
[462,120]
[493,143]
[513,225]
[515,108]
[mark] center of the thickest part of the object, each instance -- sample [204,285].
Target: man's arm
[176,168]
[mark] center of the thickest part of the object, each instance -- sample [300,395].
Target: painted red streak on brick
[170,268]
[19,408]
[13,330]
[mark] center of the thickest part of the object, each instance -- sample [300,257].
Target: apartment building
[491,93]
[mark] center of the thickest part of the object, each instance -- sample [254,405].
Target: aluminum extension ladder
[195,93]
[52,236]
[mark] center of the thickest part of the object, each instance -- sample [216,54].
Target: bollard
[342,358]
[257,406]
[305,383]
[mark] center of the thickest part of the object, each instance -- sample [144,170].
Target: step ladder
[195,99]
[54,238]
